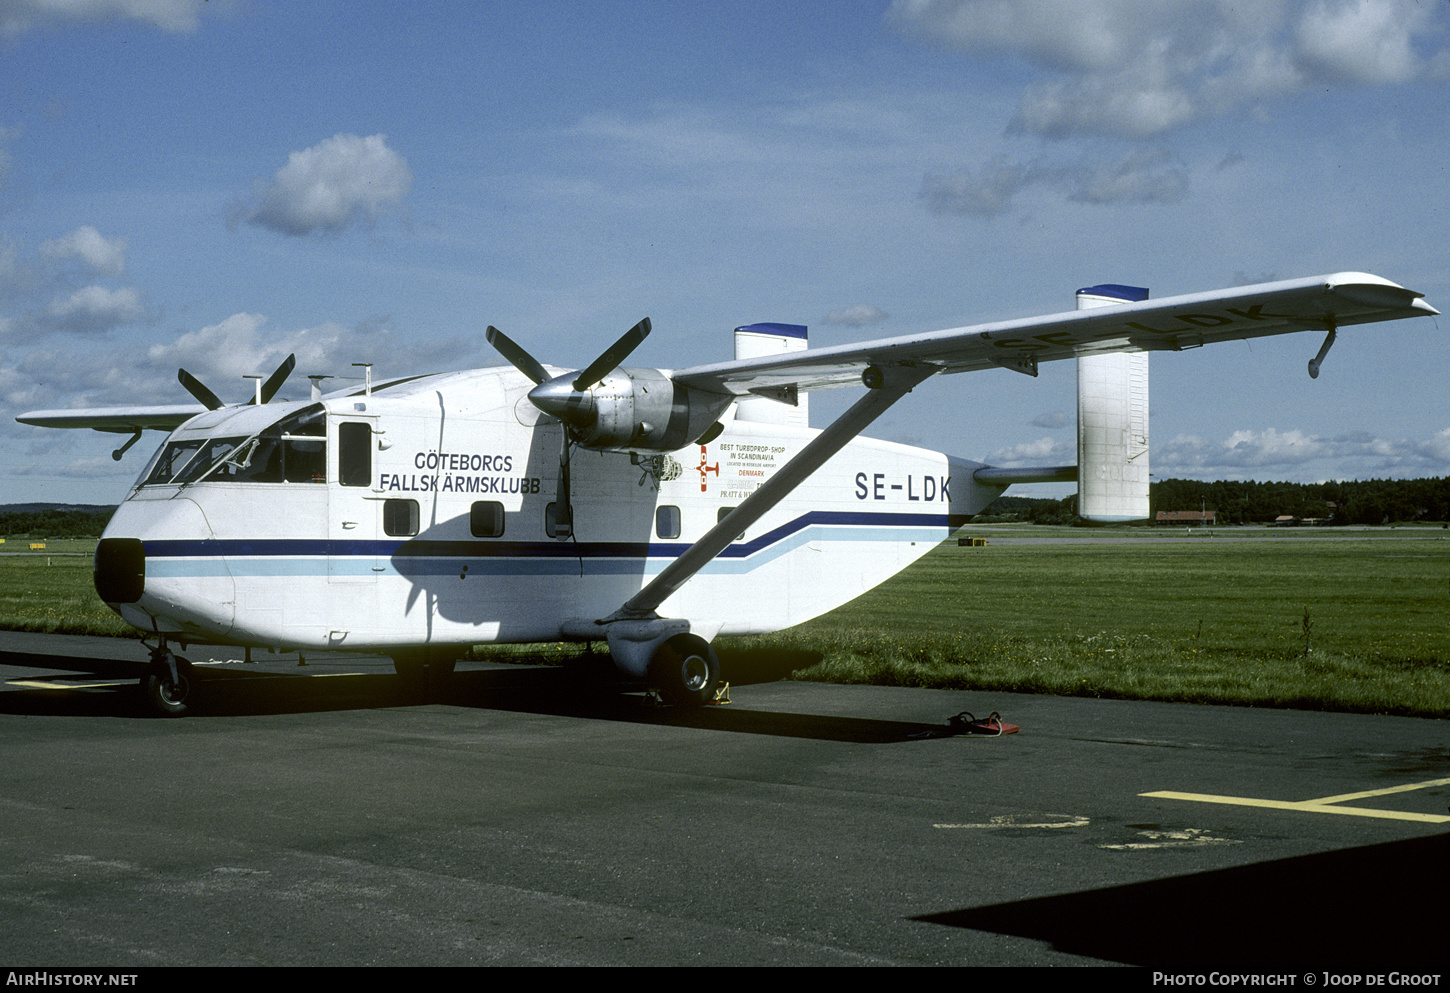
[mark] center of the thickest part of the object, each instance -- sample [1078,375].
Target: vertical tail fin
[1112,423]
[780,407]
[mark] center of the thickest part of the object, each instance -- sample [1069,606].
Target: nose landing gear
[167,684]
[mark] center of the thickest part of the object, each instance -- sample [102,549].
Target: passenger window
[723,513]
[554,527]
[485,519]
[355,454]
[400,517]
[667,522]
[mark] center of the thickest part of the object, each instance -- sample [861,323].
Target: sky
[214,184]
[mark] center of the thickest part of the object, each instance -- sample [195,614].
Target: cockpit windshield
[292,450]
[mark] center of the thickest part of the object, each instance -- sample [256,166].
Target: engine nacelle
[632,409]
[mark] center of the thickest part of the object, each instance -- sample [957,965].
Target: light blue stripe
[313,565]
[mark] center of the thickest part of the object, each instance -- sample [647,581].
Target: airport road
[325,815]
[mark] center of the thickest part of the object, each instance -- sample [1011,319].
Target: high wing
[892,367]
[123,420]
[166,417]
[1324,303]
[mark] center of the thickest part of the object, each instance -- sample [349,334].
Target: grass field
[1357,625]
[49,590]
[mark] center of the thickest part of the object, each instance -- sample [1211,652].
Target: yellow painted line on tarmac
[41,684]
[1323,805]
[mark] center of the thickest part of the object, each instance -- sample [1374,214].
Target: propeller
[194,386]
[274,382]
[518,358]
[567,398]
[211,401]
[613,356]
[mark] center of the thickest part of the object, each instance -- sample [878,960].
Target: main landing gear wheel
[168,694]
[685,671]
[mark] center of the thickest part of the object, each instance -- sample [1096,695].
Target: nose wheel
[168,683]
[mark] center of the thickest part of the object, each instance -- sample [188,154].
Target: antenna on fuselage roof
[367,368]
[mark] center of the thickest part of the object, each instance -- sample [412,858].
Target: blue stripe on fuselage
[428,556]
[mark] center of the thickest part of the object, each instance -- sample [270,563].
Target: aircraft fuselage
[426,514]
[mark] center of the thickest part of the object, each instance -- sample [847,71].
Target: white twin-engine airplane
[649,508]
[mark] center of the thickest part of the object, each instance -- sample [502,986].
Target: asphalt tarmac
[329,814]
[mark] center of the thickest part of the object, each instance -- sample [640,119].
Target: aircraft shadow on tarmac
[1378,907]
[99,688]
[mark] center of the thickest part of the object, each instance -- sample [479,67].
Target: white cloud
[93,310]
[1139,176]
[1138,68]
[987,192]
[19,16]
[1364,41]
[331,185]
[1143,175]
[1043,451]
[106,257]
[1279,453]
[1437,448]
[859,315]
[220,355]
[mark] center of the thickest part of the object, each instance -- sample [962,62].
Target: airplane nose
[559,398]
[120,570]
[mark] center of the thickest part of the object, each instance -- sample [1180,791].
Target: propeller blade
[274,382]
[518,358]
[194,386]
[613,356]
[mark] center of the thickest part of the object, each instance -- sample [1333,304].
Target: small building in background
[1185,517]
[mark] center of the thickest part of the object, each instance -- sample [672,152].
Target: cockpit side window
[293,450]
[212,451]
[173,460]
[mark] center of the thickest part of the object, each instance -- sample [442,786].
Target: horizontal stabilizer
[994,476]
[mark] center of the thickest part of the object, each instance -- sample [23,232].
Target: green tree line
[1371,501]
[55,523]
[1366,501]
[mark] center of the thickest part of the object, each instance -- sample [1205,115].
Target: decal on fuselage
[748,462]
[458,472]
[916,489]
[409,482]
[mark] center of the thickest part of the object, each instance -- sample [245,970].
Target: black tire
[166,697]
[685,671]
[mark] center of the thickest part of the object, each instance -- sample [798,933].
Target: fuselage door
[352,538]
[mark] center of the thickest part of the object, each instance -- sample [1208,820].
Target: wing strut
[1317,360]
[896,383]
